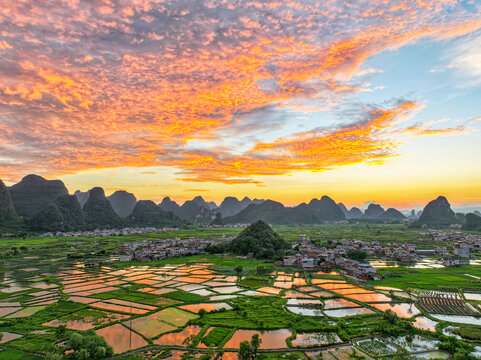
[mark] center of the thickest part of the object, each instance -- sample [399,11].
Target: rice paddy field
[197,305]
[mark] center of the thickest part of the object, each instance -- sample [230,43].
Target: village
[150,250]
[308,256]
[110,232]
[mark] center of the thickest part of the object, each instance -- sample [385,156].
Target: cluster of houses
[226,226]
[151,250]
[309,256]
[110,232]
[451,236]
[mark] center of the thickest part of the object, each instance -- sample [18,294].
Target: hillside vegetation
[260,240]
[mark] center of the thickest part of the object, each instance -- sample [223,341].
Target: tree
[238,270]
[245,351]
[357,255]
[255,343]
[190,340]
[260,240]
[89,346]
[209,354]
[60,331]
[219,354]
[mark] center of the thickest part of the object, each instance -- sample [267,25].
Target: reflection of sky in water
[459,319]
[472,296]
[424,263]
[424,323]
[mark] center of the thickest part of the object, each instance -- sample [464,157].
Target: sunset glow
[288,100]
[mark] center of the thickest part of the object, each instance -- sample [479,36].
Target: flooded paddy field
[194,305]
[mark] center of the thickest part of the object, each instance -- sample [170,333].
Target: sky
[364,100]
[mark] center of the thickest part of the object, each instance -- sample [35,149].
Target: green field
[215,336]
[453,278]
[40,259]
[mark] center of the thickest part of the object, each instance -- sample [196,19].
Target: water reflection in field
[227,289]
[472,296]
[305,311]
[459,319]
[338,303]
[304,302]
[338,313]
[425,323]
[402,310]
[206,306]
[275,339]
[312,339]
[121,338]
[177,338]
[368,298]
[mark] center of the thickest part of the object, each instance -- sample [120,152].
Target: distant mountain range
[37,204]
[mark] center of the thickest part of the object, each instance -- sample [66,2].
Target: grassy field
[48,255]
[384,233]
[215,336]
[453,278]
[17,355]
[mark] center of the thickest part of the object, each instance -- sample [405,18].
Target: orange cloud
[130,83]
[423,130]
[371,141]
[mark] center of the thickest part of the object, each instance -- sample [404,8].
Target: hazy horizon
[362,206]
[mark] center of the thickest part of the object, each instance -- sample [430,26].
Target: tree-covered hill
[260,240]
[274,212]
[63,214]
[473,222]
[99,212]
[33,193]
[438,212]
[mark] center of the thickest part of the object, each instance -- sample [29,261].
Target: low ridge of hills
[273,212]
[195,210]
[37,204]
